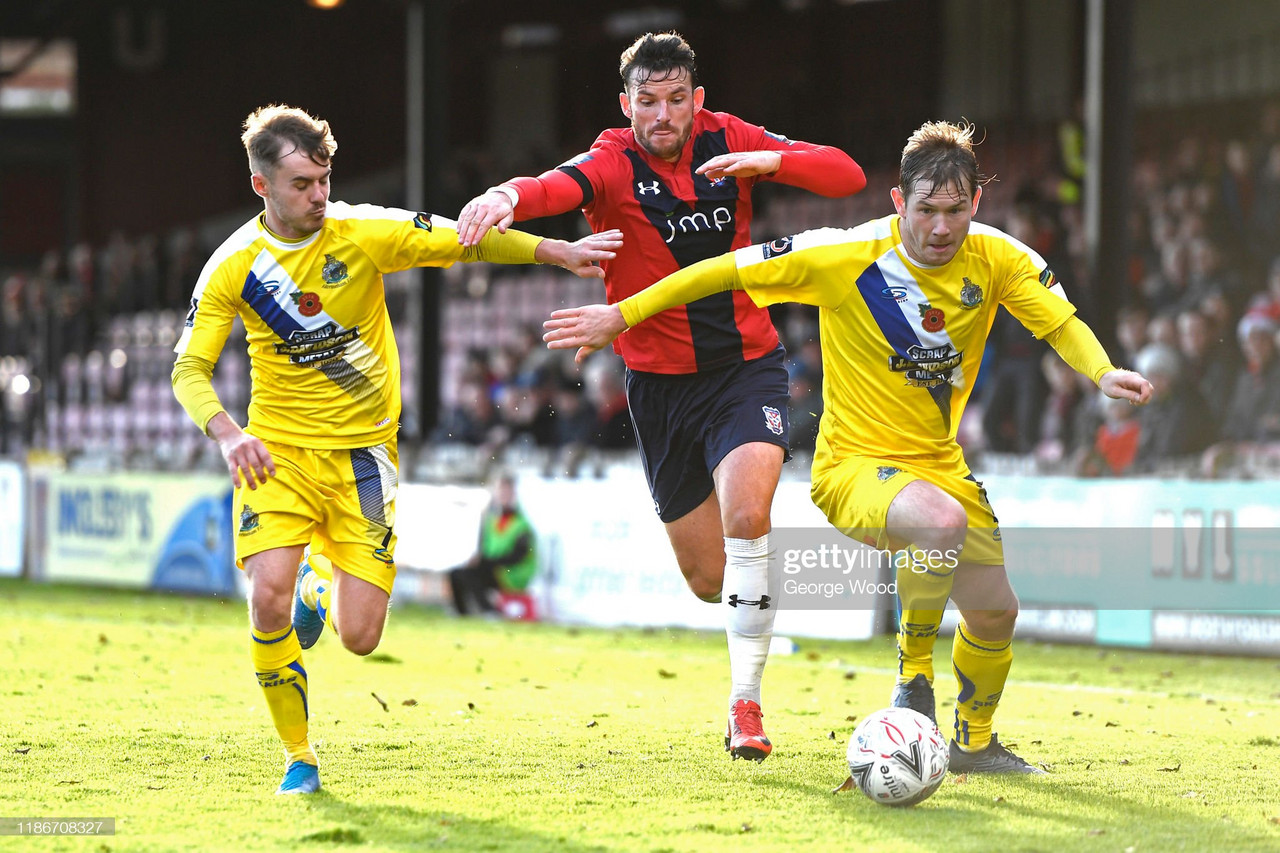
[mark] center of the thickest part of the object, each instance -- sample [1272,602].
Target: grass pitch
[467,735]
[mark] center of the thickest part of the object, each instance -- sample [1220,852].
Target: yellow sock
[317,586]
[981,668]
[924,583]
[277,660]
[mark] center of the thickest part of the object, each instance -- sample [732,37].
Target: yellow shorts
[341,502]
[855,495]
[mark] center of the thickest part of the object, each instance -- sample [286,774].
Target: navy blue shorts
[687,423]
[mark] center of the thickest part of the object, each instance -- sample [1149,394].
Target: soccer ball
[898,757]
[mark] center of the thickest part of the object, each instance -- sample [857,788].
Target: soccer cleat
[307,623]
[745,737]
[996,758]
[300,778]
[916,694]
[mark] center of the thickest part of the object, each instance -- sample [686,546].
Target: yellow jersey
[323,359]
[901,342]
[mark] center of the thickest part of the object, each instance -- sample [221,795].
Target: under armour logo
[651,188]
[762,602]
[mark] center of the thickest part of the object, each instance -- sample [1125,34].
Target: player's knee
[993,624]
[705,587]
[361,642]
[269,610]
[746,522]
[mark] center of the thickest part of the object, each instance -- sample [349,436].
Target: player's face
[295,196]
[661,112]
[935,220]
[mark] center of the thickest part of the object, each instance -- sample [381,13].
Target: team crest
[932,319]
[885,472]
[333,271]
[423,221]
[970,295]
[778,247]
[248,520]
[772,419]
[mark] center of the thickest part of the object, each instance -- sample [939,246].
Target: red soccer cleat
[745,737]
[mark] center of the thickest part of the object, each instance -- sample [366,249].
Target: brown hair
[941,153]
[275,131]
[660,55]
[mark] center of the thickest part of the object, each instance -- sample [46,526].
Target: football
[897,757]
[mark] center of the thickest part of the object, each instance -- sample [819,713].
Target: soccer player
[906,305]
[706,383]
[317,462]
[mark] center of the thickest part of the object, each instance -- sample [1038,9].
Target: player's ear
[977,196]
[899,203]
[624,101]
[699,95]
[260,185]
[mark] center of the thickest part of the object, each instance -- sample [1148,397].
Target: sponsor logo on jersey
[334,271]
[926,367]
[693,223]
[317,345]
[646,187]
[970,295]
[932,319]
[422,220]
[248,520]
[884,472]
[772,419]
[778,247]
[895,292]
[382,555]
[266,288]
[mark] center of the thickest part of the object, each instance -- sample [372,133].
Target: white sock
[748,622]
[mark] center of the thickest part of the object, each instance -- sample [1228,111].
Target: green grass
[536,737]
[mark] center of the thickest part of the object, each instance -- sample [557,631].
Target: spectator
[1207,365]
[506,558]
[1177,422]
[1069,417]
[1131,331]
[1254,412]
[1115,445]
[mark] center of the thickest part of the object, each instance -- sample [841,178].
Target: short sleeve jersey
[901,342]
[324,363]
[672,218]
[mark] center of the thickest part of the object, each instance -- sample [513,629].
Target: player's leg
[981,656]
[359,611]
[697,540]
[927,524]
[277,661]
[746,480]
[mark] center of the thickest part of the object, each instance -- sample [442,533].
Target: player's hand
[1126,385]
[582,257]
[589,328]
[248,455]
[741,164]
[492,208]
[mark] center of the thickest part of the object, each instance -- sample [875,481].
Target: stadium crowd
[87,338]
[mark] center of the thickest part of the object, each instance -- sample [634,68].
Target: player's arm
[820,169]
[593,327]
[581,257]
[193,386]
[553,192]
[1080,348]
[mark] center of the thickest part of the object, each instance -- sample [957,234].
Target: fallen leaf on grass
[102,639]
[746,827]
[997,799]
[846,785]
[1094,832]
[1174,769]
[592,724]
[850,675]
[155,787]
[1191,795]
[378,699]
[22,750]
[852,718]
[471,706]
[962,779]
[409,703]
[662,673]
[831,735]
[1124,761]
[1274,819]
[70,781]
[1111,725]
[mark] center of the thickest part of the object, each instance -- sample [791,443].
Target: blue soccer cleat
[300,778]
[307,622]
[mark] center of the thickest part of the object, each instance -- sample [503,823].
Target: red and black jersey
[671,217]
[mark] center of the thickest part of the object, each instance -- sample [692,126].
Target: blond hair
[941,153]
[276,131]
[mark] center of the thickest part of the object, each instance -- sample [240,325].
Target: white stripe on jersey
[896,274]
[342,210]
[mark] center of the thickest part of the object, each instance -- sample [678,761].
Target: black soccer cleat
[916,694]
[996,758]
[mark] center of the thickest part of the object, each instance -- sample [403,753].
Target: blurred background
[1134,143]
